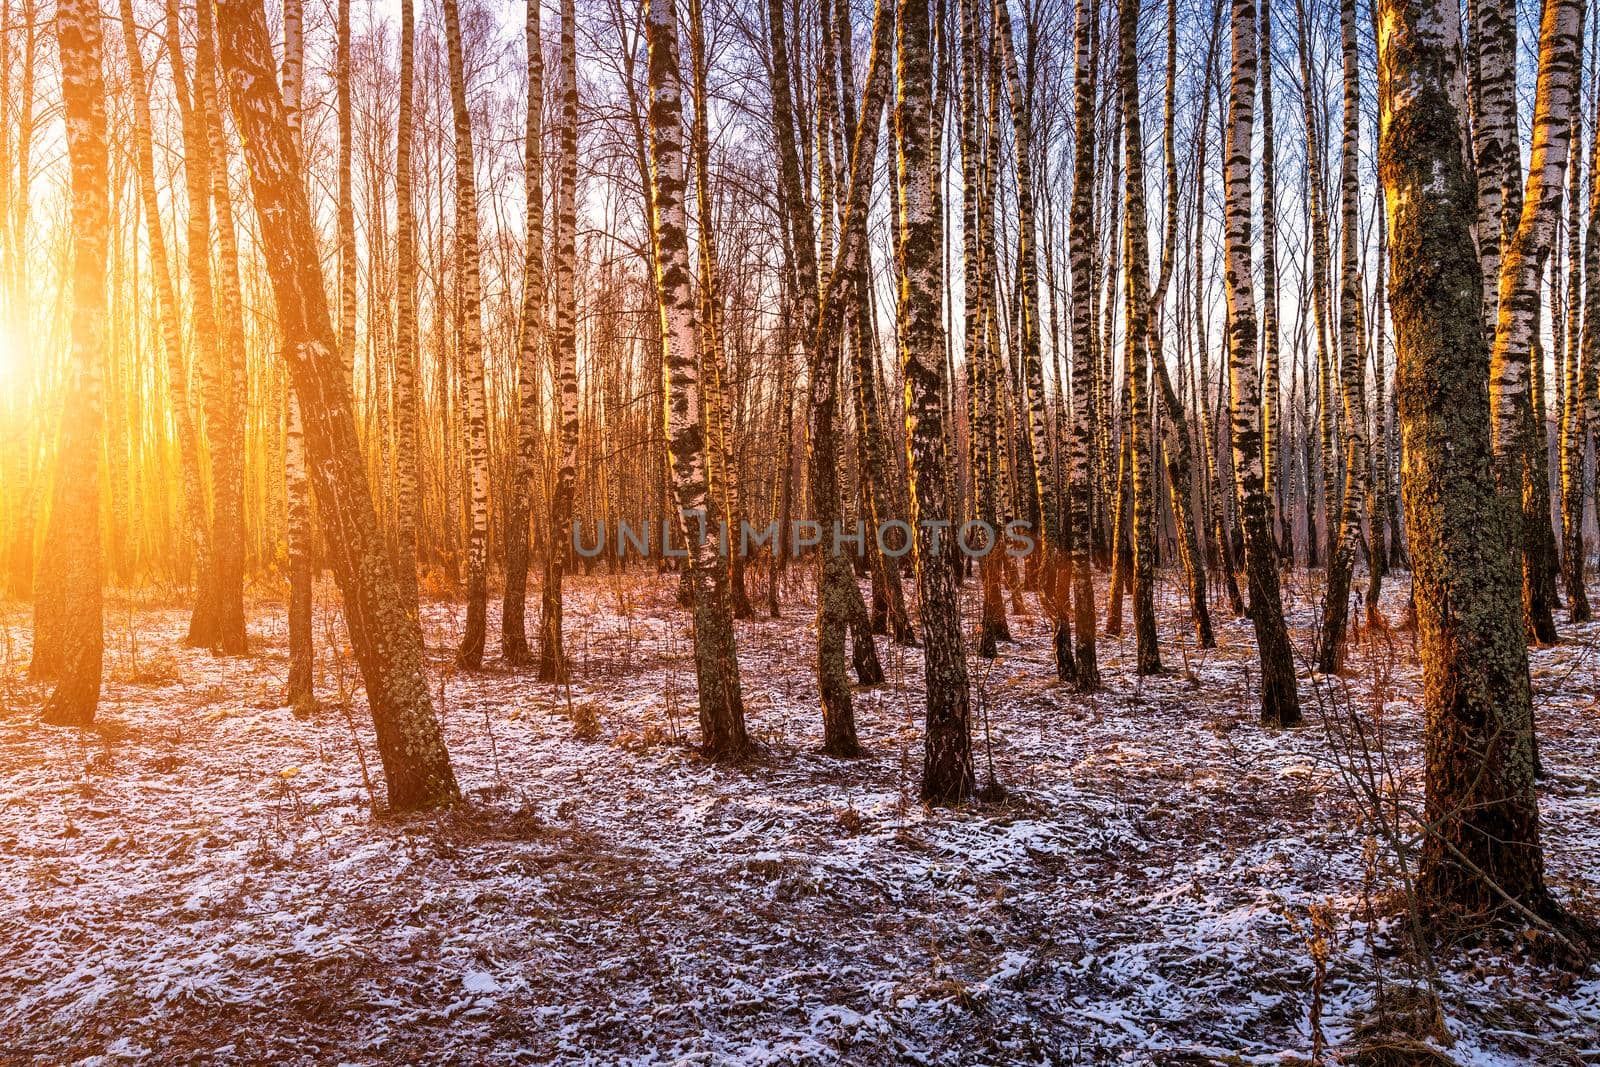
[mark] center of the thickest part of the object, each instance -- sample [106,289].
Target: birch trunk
[300,686]
[947,774]
[1280,700]
[169,310]
[1318,546]
[513,607]
[1035,423]
[716,665]
[1576,399]
[1476,697]
[1523,260]
[407,505]
[470,340]
[1080,251]
[1341,557]
[1137,342]
[70,604]
[386,639]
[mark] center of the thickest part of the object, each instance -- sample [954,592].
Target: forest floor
[202,877]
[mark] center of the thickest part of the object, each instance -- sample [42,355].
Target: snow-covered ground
[202,879]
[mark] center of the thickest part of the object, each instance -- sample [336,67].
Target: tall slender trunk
[1080,251]
[553,664]
[716,664]
[1590,355]
[1272,379]
[346,213]
[878,493]
[1177,443]
[169,310]
[70,604]
[1137,344]
[835,581]
[1035,425]
[718,398]
[407,440]
[300,686]
[1341,558]
[513,607]
[218,617]
[977,167]
[1573,437]
[947,774]
[1494,142]
[1320,302]
[229,634]
[1384,537]
[1280,699]
[470,358]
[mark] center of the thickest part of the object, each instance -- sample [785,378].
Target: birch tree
[1520,268]
[1080,242]
[722,726]
[1480,805]
[68,614]
[513,632]
[1341,557]
[300,686]
[385,637]
[470,652]
[407,506]
[1280,699]
[553,666]
[947,774]
[1137,341]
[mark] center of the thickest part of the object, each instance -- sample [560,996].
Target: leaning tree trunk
[879,474]
[848,268]
[835,581]
[513,607]
[470,338]
[1524,255]
[947,775]
[70,604]
[716,663]
[1280,699]
[1480,804]
[386,638]
[1341,556]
